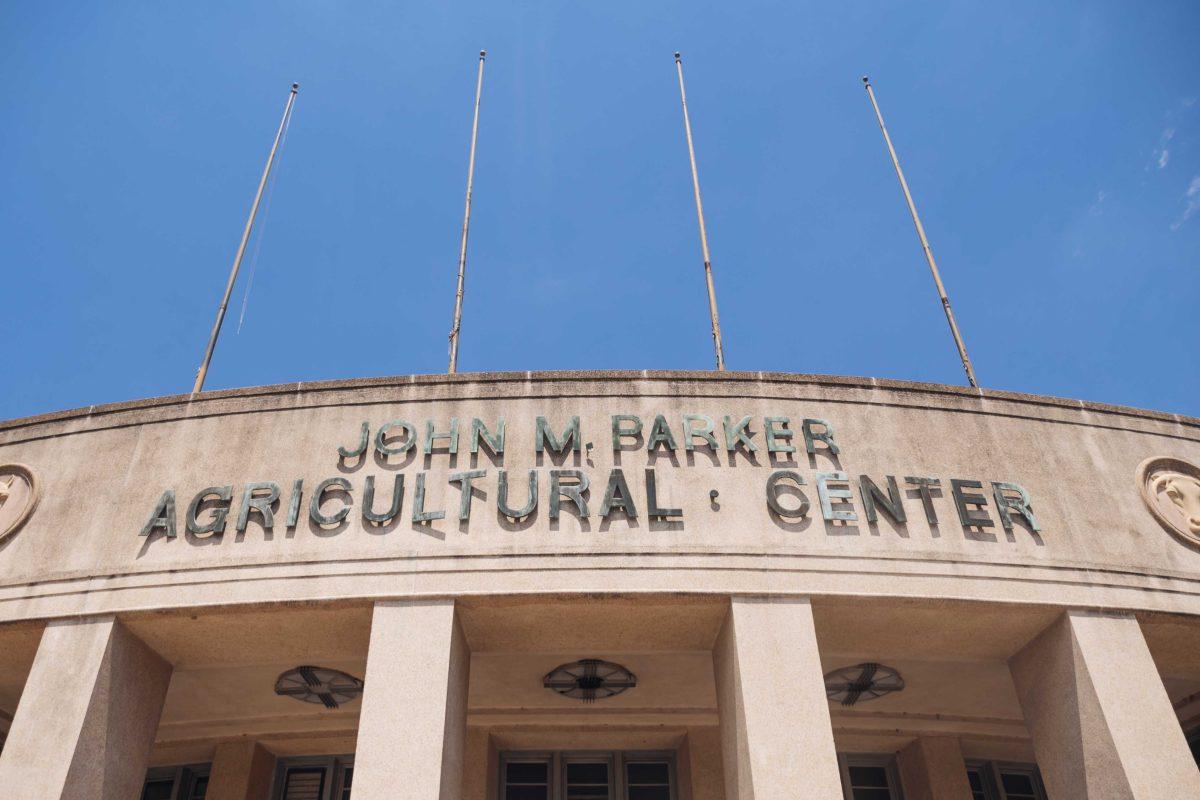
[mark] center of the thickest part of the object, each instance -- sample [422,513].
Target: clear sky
[1053,150]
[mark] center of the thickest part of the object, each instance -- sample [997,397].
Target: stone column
[241,770]
[412,728]
[776,736]
[1101,721]
[87,717]
[932,768]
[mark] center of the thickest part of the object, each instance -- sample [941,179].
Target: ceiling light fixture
[865,681]
[329,687]
[589,679]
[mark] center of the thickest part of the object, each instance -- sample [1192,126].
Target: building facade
[631,586]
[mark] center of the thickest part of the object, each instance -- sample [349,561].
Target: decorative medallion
[19,495]
[329,687]
[589,679]
[1171,490]
[866,681]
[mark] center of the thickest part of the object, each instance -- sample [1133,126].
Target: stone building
[632,586]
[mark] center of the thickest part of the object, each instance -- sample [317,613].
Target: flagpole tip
[295,87]
[866,80]
[677,56]
[483,53]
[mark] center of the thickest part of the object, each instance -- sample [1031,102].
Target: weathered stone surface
[105,468]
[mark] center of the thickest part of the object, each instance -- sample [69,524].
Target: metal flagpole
[462,250]
[912,208]
[708,278]
[241,251]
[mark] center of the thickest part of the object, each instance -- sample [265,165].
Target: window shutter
[304,783]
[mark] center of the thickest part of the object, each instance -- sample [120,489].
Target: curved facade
[1027,567]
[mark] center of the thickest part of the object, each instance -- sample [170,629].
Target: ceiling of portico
[952,654]
[927,629]
[1175,644]
[292,634]
[584,624]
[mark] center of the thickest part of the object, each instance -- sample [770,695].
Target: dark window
[527,780]
[975,778]
[199,789]
[587,780]
[1000,781]
[159,789]
[587,776]
[868,777]
[176,783]
[869,783]
[648,780]
[1018,786]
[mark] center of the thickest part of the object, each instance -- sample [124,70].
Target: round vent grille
[867,681]
[330,687]
[589,678]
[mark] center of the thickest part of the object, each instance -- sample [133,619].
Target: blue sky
[1053,150]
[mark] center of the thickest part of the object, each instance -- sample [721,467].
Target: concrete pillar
[932,768]
[412,728]
[87,717]
[241,770]
[776,736]
[1101,721]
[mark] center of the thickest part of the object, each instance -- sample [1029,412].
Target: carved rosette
[19,495]
[1171,490]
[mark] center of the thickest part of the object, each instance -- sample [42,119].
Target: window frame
[546,757]
[625,757]
[985,775]
[557,760]
[568,757]
[993,786]
[183,778]
[989,789]
[1035,776]
[885,760]
[335,773]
